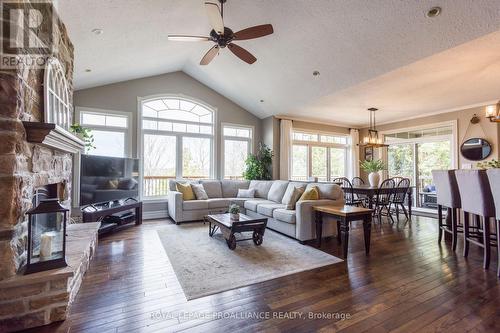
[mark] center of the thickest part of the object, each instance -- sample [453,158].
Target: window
[57,105]
[237,144]
[177,142]
[111,131]
[319,155]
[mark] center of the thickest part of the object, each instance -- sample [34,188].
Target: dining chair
[357,181]
[383,200]
[448,195]
[477,199]
[399,196]
[349,197]
[494,180]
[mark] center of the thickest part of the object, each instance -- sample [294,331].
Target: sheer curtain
[354,163]
[286,138]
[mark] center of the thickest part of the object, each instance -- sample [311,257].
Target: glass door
[431,156]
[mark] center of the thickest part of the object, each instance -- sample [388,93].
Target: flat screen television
[104,179]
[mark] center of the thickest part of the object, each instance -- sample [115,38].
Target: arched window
[177,142]
[57,107]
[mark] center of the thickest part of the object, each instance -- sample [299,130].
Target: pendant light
[372,139]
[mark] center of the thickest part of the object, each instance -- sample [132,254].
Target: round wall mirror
[475,149]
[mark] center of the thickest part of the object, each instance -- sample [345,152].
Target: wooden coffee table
[229,227]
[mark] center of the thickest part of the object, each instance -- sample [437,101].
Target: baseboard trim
[158,214]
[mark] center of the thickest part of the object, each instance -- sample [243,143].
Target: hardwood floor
[409,283]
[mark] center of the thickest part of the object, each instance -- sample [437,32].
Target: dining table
[371,191]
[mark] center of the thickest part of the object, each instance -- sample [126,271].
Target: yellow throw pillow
[186,190]
[310,194]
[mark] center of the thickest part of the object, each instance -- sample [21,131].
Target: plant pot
[374,179]
[234,217]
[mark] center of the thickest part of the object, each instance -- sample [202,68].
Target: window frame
[126,130]
[179,135]
[309,144]
[234,138]
[55,86]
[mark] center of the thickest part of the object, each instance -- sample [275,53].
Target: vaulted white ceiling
[383,53]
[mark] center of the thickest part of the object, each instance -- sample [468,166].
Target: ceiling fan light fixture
[433,12]
[97,31]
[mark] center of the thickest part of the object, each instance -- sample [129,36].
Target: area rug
[205,265]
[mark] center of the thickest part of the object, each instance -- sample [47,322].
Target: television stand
[98,212]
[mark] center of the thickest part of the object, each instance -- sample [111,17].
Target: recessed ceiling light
[88,70]
[316,73]
[97,31]
[434,11]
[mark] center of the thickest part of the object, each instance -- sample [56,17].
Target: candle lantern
[46,236]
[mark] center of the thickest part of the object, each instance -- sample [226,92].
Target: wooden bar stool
[476,197]
[494,178]
[448,196]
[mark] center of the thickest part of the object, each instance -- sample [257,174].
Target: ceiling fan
[224,37]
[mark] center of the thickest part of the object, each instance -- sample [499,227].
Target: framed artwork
[369,153]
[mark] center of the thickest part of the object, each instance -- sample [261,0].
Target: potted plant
[373,168]
[493,164]
[234,212]
[85,134]
[258,167]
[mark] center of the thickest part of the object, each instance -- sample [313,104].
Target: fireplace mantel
[53,136]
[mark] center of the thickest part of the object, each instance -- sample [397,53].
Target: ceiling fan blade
[210,55]
[254,32]
[187,38]
[242,53]
[215,17]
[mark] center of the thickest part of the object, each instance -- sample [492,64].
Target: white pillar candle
[46,244]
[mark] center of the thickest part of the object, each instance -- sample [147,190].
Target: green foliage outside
[258,166]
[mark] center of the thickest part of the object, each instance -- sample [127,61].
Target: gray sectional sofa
[268,202]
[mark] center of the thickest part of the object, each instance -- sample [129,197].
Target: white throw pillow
[199,192]
[296,194]
[250,193]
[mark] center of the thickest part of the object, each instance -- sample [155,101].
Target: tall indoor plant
[373,168]
[258,166]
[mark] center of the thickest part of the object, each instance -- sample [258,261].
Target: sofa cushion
[195,204]
[212,187]
[296,194]
[311,193]
[267,208]
[199,192]
[277,190]
[252,204]
[186,190]
[328,191]
[285,215]
[250,193]
[261,187]
[230,187]
[219,203]
[289,191]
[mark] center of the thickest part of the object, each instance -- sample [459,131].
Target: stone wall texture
[25,166]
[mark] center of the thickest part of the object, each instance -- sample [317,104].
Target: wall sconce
[493,112]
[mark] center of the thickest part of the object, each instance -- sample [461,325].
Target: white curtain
[286,138]
[354,163]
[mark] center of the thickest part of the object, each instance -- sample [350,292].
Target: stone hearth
[41,298]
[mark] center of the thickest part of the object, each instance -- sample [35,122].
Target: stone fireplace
[35,155]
